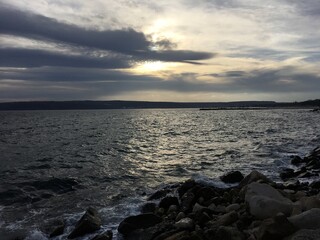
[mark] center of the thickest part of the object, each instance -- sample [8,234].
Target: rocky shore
[255,209]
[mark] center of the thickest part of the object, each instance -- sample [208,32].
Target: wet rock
[228,233]
[173,208]
[307,203]
[254,176]
[159,194]
[185,223]
[232,177]
[224,220]
[276,228]
[90,222]
[233,207]
[315,185]
[264,201]
[148,207]
[187,185]
[305,234]
[141,221]
[198,208]
[180,216]
[58,230]
[206,193]
[168,201]
[179,236]
[307,220]
[104,236]
[296,160]
[187,201]
[287,173]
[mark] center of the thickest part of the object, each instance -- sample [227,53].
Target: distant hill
[66,105]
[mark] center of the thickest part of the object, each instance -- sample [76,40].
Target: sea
[56,164]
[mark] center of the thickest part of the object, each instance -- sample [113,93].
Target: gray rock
[233,207]
[104,236]
[224,220]
[264,201]
[168,201]
[141,221]
[276,228]
[254,176]
[307,220]
[185,223]
[305,234]
[180,216]
[90,222]
[197,208]
[232,177]
[308,203]
[228,233]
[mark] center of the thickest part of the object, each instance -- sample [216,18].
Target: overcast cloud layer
[184,50]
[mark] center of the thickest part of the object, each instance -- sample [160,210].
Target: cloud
[125,41]
[12,57]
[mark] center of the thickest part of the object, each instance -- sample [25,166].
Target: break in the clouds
[203,50]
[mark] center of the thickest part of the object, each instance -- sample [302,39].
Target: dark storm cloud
[19,23]
[125,41]
[54,74]
[110,82]
[11,57]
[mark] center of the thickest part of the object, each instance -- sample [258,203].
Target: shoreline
[256,208]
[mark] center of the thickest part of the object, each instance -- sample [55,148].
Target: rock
[149,207]
[287,173]
[104,236]
[159,194]
[276,228]
[315,185]
[90,222]
[180,216]
[254,176]
[187,201]
[232,177]
[173,208]
[187,185]
[141,221]
[296,160]
[264,201]
[308,203]
[224,220]
[233,207]
[198,208]
[179,236]
[307,220]
[228,233]
[185,223]
[57,231]
[168,201]
[206,193]
[305,234]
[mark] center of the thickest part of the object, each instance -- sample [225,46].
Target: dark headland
[254,208]
[68,105]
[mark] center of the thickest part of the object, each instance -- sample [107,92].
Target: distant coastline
[78,105]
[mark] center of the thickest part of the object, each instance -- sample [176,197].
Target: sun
[151,66]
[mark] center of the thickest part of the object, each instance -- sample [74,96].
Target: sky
[159,50]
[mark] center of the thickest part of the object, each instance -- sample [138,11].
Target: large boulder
[254,176]
[305,234]
[141,221]
[264,201]
[307,220]
[307,203]
[232,177]
[168,201]
[90,222]
[276,228]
